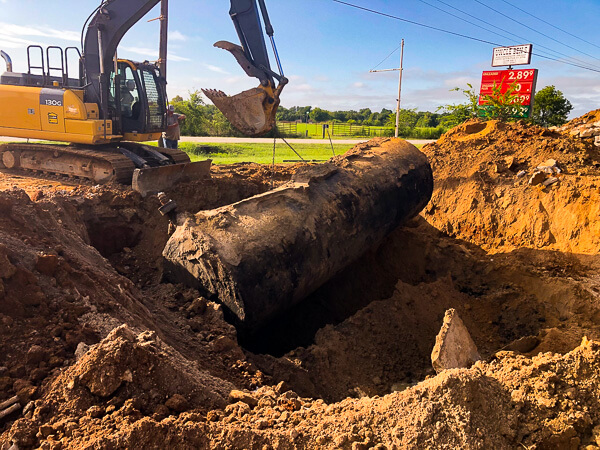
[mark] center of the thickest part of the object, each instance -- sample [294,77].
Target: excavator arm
[252,111]
[107,26]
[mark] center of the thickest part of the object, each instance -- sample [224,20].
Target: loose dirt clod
[349,367]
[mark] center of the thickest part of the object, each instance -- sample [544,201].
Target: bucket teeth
[212,93]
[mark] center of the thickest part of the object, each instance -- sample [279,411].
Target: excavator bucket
[156,179]
[252,112]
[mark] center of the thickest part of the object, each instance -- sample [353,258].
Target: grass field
[260,153]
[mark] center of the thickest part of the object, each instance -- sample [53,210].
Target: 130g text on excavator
[114,105]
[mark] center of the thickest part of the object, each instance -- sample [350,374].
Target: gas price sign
[523,82]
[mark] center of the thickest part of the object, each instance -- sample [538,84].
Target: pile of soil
[103,354]
[482,192]
[589,118]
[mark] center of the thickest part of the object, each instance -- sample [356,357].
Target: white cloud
[216,69]
[150,53]
[177,36]
[8,29]
[176,58]
[358,85]
[236,80]
[304,87]
[13,42]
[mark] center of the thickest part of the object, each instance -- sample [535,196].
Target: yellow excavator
[112,106]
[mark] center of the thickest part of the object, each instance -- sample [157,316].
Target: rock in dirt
[537,178]
[81,350]
[454,347]
[240,396]
[177,403]
[524,344]
[36,354]
[262,255]
[550,181]
[47,264]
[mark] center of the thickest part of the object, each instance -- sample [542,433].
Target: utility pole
[164,26]
[399,84]
[162,48]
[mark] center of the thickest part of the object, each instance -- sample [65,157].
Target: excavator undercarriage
[144,167]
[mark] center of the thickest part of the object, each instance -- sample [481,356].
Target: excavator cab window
[141,98]
[155,97]
[129,95]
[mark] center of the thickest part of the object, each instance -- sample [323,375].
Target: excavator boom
[252,111]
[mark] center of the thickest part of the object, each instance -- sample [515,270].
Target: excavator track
[145,166]
[74,162]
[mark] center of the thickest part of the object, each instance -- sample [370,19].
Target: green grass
[259,153]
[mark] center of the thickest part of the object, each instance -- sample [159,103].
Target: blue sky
[327,48]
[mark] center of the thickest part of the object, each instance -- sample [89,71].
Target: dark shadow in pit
[413,254]
[110,237]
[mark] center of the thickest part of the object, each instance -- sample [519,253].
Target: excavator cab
[137,100]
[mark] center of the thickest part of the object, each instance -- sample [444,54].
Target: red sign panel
[523,81]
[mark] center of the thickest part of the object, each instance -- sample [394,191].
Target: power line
[465,20]
[498,34]
[538,32]
[552,25]
[476,18]
[395,50]
[454,33]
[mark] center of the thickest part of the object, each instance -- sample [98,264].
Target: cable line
[552,25]
[456,34]
[538,32]
[476,25]
[504,36]
[465,20]
[395,50]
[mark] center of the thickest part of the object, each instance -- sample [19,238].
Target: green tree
[550,107]
[427,119]
[408,118]
[501,106]
[202,119]
[320,115]
[455,114]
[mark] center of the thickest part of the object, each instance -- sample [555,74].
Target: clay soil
[103,353]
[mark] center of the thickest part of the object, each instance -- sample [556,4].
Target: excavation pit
[349,365]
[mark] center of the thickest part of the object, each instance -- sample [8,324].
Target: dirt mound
[548,401]
[589,118]
[483,192]
[129,374]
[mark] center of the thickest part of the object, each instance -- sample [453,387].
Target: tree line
[550,108]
